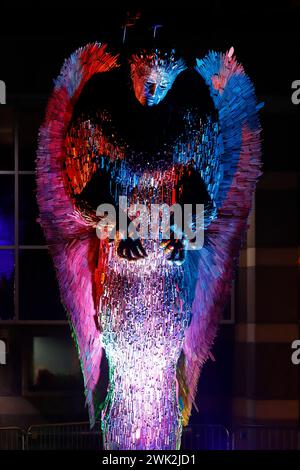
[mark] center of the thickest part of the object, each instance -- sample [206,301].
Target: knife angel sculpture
[150,306]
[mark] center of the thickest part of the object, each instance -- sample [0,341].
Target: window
[55,364]
[28,287]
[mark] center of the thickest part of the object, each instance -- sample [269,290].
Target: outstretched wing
[71,237]
[235,167]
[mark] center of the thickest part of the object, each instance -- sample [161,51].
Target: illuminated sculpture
[156,320]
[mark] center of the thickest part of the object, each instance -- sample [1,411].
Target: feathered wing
[236,172]
[72,240]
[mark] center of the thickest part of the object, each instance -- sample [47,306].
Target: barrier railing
[205,437]
[79,436]
[264,437]
[12,438]
[64,436]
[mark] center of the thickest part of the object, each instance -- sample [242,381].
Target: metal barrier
[205,437]
[12,438]
[79,436]
[65,436]
[263,437]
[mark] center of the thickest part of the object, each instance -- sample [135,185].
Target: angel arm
[194,191]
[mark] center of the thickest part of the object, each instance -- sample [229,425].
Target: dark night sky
[35,41]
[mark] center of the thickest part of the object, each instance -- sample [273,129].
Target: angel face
[153,76]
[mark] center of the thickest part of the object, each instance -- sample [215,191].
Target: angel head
[153,75]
